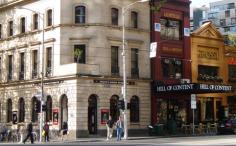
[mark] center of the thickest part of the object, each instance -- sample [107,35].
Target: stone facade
[77,82]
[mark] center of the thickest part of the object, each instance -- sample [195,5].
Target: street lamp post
[124,10]
[42,72]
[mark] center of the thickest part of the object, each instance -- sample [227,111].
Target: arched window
[49,17]
[21,110]
[49,109]
[34,113]
[80,14]
[114,111]
[9,110]
[64,109]
[134,109]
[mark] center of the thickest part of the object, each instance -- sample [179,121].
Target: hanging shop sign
[55,116]
[193,88]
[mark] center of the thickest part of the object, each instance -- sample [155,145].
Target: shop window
[80,53]
[134,109]
[114,16]
[171,68]
[9,110]
[208,73]
[80,14]
[114,60]
[49,109]
[21,110]
[170,29]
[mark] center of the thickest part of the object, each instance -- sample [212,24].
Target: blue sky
[199,3]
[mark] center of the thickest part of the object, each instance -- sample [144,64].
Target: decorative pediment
[208,30]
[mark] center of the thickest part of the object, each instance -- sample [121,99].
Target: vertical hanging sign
[153,49]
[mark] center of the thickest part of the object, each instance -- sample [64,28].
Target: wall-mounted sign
[55,116]
[186,32]
[157,27]
[172,14]
[153,49]
[104,116]
[208,53]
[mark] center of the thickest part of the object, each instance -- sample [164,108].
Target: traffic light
[121,104]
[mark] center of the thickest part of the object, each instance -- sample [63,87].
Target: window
[80,14]
[10,28]
[171,68]
[80,53]
[35,105]
[49,109]
[35,63]
[9,110]
[227,13]
[170,29]
[134,19]
[49,61]
[22,24]
[134,109]
[22,66]
[35,21]
[0,31]
[49,17]
[21,110]
[134,63]
[114,60]
[114,16]
[233,20]
[207,73]
[230,6]
[232,73]
[222,22]
[10,67]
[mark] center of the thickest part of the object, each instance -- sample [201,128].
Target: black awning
[196,88]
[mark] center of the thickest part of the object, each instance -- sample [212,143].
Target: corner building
[82,63]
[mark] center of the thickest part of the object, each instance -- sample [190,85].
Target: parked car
[227,126]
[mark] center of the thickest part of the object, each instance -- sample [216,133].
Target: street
[224,140]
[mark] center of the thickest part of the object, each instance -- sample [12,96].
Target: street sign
[153,49]
[193,101]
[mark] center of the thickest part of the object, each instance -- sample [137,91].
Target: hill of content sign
[193,88]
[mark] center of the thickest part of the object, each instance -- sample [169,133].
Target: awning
[196,88]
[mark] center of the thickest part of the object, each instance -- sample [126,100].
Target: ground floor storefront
[84,103]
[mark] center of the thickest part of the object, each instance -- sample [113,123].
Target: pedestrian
[109,126]
[4,131]
[64,129]
[119,128]
[30,133]
[46,130]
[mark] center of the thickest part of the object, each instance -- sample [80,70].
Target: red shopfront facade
[172,64]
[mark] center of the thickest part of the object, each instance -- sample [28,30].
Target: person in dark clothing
[30,134]
[64,129]
[46,129]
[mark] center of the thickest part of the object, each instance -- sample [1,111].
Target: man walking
[109,125]
[119,128]
[46,130]
[30,134]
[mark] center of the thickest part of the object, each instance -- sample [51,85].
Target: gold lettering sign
[208,53]
[173,50]
[172,15]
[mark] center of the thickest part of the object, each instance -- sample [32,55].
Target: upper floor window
[114,60]
[49,17]
[0,31]
[134,63]
[34,63]
[230,6]
[170,29]
[22,24]
[134,109]
[10,28]
[80,14]
[48,61]
[9,110]
[222,22]
[171,68]
[208,73]
[134,19]
[22,66]
[232,72]
[35,21]
[10,67]
[80,53]
[0,67]
[233,20]
[227,13]
[114,16]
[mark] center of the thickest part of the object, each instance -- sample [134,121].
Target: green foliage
[157,8]
[232,39]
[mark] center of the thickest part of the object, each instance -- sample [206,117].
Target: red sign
[232,61]
[104,116]
[55,116]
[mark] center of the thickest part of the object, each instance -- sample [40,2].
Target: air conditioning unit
[184,81]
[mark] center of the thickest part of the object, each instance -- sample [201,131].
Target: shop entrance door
[92,114]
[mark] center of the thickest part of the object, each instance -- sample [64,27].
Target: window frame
[80,17]
[49,17]
[49,109]
[134,19]
[114,16]
[83,58]
[22,25]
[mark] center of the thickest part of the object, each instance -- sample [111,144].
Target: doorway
[92,114]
